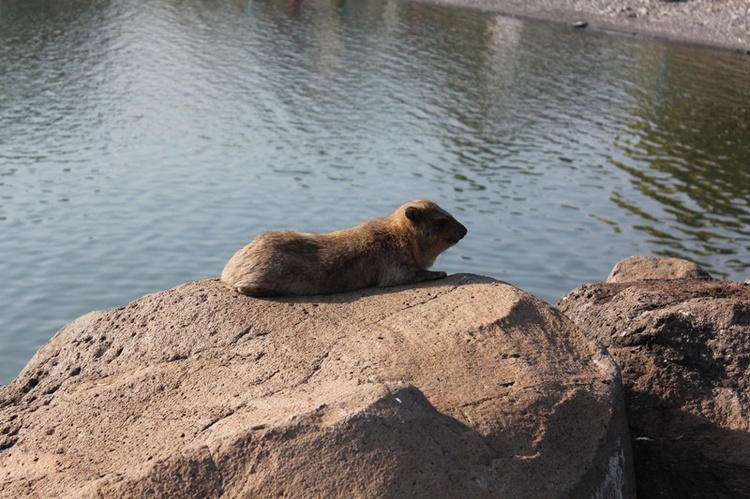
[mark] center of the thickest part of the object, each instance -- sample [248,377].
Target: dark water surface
[143,142]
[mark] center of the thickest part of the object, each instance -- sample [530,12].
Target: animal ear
[412,213]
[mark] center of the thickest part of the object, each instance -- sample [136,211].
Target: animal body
[397,249]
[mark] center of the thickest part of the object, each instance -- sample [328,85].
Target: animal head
[435,229]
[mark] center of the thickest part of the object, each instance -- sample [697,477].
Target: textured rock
[684,352]
[465,387]
[637,268]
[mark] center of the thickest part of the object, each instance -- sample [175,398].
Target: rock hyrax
[388,251]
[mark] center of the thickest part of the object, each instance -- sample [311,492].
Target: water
[143,142]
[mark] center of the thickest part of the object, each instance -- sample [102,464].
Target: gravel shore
[718,23]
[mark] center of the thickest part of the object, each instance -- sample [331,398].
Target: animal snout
[457,234]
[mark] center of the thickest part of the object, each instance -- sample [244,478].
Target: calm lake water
[143,142]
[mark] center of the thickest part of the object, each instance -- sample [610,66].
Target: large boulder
[464,387]
[684,349]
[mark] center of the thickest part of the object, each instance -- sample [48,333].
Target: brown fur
[388,251]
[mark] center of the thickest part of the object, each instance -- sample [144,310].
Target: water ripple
[141,143]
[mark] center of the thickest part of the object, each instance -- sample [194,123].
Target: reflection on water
[689,151]
[141,143]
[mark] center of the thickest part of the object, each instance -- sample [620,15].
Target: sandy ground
[718,23]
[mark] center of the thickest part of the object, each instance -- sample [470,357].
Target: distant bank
[723,25]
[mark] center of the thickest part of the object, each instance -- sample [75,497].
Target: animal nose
[464,231]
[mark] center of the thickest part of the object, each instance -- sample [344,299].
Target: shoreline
[722,24]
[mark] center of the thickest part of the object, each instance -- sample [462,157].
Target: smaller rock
[640,268]
[683,350]
[579,24]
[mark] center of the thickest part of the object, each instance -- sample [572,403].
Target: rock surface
[684,350]
[636,268]
[465,387]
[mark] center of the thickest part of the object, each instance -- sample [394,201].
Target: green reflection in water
[691,154]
